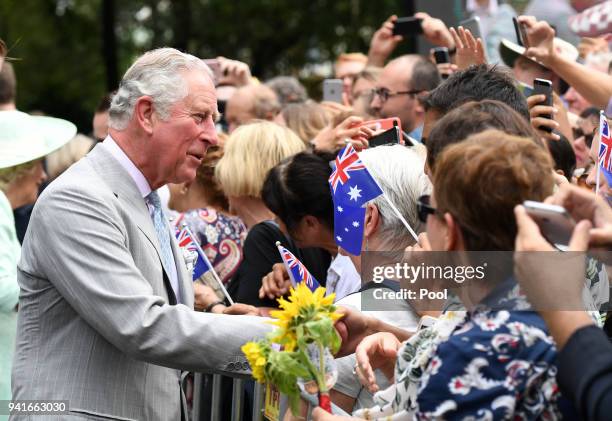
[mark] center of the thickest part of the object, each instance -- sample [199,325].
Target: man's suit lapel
[127,192]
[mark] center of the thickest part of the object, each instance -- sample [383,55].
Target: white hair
[399,172]
[158,74]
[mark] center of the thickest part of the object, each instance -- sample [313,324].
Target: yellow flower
[302,306]
[257,359]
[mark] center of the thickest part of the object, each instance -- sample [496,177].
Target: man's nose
[376,103]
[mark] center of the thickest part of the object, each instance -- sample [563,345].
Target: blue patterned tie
[163,235]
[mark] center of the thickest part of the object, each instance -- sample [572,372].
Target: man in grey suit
[106,316]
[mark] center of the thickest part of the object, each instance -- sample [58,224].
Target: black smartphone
[544,87]
[521,33]
[408,26]
[441,55]
[387,137]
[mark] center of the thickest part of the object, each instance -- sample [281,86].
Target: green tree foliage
[59,43]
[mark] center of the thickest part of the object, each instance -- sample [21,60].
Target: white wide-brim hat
[24,138]
[510,51]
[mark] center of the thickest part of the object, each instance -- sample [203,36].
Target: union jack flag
[605,145]
[296,269]
[186,241]
[346,161]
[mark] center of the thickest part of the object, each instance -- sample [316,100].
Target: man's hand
[592,45]
[234,72]
[582,204]
[377,351]
[383,43]
[436,31]
[541,269]
[539,113]
[540,36]
[470,51]
[552,280]
[203,296]
[276,283]
[352,328]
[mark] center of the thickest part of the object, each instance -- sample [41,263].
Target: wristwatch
[212,305]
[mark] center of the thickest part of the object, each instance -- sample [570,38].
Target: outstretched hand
[470,51]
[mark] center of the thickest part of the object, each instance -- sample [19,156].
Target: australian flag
[605,148]
[185,241]
[352,186]
[296,269]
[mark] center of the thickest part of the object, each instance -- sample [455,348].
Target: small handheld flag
[202,265]
[351,183]
[605,151]
[348,228]
[296,269]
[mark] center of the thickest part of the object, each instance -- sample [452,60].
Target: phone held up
[408,26]
[521,33]
[555,223]
[332,90]
[544,87]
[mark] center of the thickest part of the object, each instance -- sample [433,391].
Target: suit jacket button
[231,367]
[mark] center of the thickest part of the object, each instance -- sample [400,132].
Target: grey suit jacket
[95,326]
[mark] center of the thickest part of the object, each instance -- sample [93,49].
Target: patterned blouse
[221,236]
[495,363]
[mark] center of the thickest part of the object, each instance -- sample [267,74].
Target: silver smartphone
[473,24]
[332,90]
[555,223]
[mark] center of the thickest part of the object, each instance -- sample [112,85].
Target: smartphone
[473,24]
[521,33]
[332,90]
[215,67]
[441,55]
[408,26]
[388,137]
[525,89]
[383,123]
[544,87]
[555,223]
[426,321]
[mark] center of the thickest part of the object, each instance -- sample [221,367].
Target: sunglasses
[424,209]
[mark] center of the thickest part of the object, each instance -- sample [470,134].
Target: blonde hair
[10,174]
[250,152]
[359,57]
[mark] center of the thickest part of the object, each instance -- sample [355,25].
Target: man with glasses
[402,83]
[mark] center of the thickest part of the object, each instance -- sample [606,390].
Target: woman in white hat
[24,142]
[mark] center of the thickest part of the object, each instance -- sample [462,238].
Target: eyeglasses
[384,94]
[424,209]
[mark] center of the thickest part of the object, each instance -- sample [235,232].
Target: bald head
[249,103]
[404,79]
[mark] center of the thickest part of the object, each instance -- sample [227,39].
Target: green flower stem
[319,375]
[322,387]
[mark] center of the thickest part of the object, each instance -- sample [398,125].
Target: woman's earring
[366,244]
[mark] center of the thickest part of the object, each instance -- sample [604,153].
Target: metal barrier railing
[237,399]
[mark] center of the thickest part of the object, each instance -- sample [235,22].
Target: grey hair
[399,172]
[157,73]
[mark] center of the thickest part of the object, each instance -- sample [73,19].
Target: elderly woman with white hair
[24,141]
[398,170]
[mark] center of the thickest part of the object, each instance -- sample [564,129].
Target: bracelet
[212,305]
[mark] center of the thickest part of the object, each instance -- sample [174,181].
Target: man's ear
[372,219]
[145,113]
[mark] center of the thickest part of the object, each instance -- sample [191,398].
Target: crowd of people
[98,305]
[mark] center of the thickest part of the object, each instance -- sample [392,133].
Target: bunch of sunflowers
[307,335]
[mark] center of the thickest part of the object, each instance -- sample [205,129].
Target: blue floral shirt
[499,363]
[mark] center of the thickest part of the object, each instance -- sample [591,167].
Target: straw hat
[24,138]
